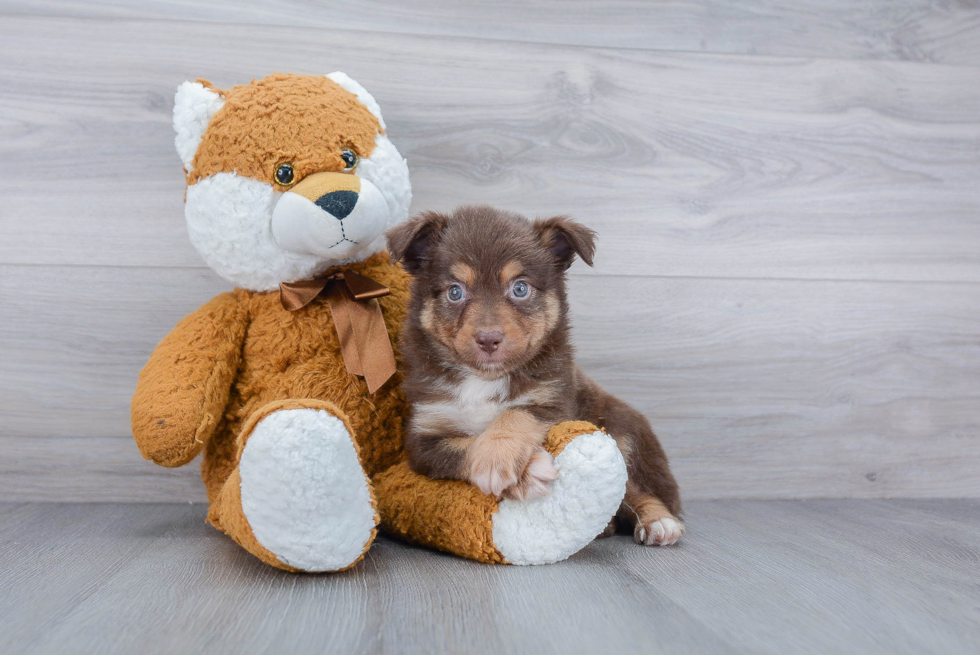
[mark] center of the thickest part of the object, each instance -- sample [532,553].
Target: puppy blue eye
[455,293]
[520,289]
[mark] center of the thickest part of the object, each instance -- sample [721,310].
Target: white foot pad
[590,486]
[304,491]
[662,532]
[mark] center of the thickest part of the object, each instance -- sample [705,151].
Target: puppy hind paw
[665,531]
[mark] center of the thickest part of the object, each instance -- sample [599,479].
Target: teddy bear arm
[184,387]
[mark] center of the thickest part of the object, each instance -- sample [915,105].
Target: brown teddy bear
[288,383]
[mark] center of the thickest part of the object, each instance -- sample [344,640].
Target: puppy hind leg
[653,524]
[652,500]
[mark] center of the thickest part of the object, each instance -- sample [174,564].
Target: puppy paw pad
[665,531]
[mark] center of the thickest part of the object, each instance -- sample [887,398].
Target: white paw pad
[662,532]
[304,491]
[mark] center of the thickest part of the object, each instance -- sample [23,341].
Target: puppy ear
[412,241]
[565,238]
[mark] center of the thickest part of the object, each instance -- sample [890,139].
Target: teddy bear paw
[304,491]
[590,485]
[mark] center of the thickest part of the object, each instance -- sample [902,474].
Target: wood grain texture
[687,165]
[757,388]
[912,30]
[53,558]
[843,576]
[787,280]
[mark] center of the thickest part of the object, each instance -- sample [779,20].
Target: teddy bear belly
[282,375]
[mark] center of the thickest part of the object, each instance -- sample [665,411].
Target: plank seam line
[654,276]
[428,36]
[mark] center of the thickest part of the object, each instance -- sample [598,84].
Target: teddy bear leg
[299,499]
[456,517]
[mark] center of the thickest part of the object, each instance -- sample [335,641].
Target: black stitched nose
[338,203]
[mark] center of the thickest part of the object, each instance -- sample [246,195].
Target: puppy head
[489,285]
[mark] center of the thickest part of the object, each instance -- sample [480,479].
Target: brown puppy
[489,367]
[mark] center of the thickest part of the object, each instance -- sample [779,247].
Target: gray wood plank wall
[788,275]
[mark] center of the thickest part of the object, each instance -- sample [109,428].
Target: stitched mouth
[342,241]
[343,236]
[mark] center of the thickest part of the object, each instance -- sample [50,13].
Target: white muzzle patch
[335,226]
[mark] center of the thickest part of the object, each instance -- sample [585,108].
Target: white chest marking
[475,405]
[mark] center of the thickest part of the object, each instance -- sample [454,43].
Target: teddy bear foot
[304,501]
[588,491]
[457,517]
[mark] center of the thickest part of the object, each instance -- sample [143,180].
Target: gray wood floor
[819,576]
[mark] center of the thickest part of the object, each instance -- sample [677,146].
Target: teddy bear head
[287,176]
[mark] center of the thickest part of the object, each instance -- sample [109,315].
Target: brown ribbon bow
[352,298]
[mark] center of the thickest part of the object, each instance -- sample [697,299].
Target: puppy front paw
[491,478]
[535,478]
[664,531]
[494,466]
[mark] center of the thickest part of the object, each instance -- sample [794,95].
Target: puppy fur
[489,366]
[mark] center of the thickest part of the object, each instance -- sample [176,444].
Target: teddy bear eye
[285,175]
[350,159]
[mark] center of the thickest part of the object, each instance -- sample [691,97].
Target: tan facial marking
[552,310]
[463,273]
[510,324]
[426,316]
[443,332]
[465,337]
[542,325]
[510,271]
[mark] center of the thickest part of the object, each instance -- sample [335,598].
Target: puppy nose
[488,341]
[338,204]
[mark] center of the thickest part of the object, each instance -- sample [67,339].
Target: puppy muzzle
[329,214]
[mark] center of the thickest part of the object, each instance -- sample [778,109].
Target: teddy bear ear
[366,99]
[194,106]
